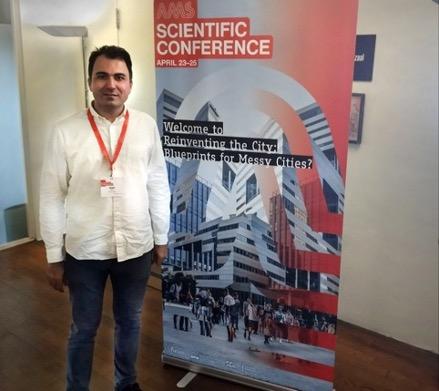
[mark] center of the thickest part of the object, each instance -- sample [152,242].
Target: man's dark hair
[112,52]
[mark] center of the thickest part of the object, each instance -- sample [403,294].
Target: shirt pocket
[137,156]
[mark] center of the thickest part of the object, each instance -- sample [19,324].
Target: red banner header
[181,39]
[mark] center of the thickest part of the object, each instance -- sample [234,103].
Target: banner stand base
[186,380]
[205,370]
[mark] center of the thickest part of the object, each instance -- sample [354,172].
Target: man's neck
[108,113]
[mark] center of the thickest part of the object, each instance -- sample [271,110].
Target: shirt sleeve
[53,191]
[158,192]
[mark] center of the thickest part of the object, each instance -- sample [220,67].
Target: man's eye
[120,77]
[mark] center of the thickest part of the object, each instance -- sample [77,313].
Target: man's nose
[110,82]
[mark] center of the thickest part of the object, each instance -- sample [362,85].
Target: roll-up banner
[253,109]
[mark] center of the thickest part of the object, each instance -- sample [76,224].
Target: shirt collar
[95,114]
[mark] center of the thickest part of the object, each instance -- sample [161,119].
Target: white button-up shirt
[96,227]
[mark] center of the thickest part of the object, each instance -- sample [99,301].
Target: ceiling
[56,12]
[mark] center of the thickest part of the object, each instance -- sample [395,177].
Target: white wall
[136,35]
[53,74]
[53,89]
[390,254]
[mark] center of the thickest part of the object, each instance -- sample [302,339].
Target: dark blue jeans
[86,281]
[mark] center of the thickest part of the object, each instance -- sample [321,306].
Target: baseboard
[15,243]
[392,341]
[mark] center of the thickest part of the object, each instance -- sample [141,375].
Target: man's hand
[55,275]
[159,254]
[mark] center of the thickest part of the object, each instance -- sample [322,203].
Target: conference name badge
[111,187]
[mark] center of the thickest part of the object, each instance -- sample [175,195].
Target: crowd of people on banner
[267,320]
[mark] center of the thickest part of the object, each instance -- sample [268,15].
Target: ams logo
[175,10]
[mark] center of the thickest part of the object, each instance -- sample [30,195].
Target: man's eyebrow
[102,73]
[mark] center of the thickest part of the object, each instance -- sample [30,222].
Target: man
[229,302]
[104,185]
[236,311]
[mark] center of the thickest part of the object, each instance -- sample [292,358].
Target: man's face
[110,83]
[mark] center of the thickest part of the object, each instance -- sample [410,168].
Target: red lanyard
[102,146]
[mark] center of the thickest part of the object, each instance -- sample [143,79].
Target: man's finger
[57,284]
[60,285]
[55,274]
[156,259]
[159,254]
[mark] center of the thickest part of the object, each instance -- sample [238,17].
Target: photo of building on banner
[253,109]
